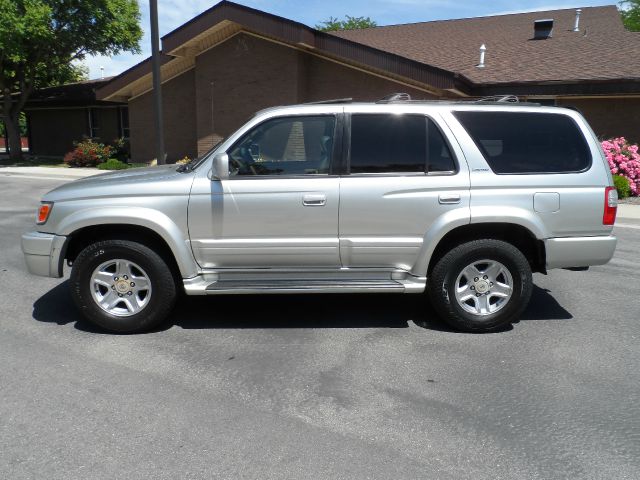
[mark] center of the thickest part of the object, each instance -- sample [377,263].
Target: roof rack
[395,97]
[499,99]
[335,100]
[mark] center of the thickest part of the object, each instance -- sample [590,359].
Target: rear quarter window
[527,143]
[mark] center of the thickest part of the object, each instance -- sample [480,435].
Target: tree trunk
[12,125]
[11,108]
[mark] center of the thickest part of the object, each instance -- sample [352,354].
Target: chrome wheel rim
[120,287]
[484,287]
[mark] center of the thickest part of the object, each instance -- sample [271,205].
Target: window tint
[285,146]
[387,143]
[516,142]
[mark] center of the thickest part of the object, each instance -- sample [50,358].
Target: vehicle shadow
[292,311]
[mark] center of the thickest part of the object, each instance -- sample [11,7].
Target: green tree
[630,13]
[41,42]
[349,23]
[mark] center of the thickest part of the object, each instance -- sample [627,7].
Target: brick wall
[324,79]
[179,121]
[609,117]
[235,79]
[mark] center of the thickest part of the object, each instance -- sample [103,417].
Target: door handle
[449,198]
[314,200]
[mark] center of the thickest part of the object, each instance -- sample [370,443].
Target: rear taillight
[610,206]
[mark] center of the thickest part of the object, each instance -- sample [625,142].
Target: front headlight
[43,212]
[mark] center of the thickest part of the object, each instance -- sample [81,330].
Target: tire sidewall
[162,291]
[451,268]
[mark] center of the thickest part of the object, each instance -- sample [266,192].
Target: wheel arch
[515,234]
[146,226]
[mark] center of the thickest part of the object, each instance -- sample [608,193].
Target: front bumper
[44,253]
[579,251]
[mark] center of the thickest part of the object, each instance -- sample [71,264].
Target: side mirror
[220,164]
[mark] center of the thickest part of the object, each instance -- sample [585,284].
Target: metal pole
[157,94]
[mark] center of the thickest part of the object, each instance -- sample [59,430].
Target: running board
[305,286]
[200,286]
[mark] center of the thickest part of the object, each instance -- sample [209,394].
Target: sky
[173,13]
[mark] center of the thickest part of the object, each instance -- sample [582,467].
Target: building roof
[440,56]
[602,49]
[81,93]
[226,19]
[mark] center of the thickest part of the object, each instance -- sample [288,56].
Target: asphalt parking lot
[306,387]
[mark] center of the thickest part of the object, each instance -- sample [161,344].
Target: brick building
[230,61]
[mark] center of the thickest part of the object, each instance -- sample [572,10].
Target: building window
[94,123]
[123,117]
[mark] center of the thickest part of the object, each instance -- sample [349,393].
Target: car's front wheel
[122,286]
[481,286]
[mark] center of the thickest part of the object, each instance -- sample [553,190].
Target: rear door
[402,176]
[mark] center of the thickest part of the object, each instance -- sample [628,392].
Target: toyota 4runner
[463,200]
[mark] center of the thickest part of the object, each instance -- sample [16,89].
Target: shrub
[120,149]
[113,164]
[184,160]
[624,160]
[622,185]
[87,153]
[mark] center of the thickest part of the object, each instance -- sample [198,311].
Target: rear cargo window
[521,143]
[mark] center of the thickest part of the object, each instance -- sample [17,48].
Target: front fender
[176,239]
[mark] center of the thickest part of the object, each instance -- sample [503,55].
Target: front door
[279,206]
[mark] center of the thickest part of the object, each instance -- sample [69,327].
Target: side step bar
[304,286]
[321,281]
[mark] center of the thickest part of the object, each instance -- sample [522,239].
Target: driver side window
[285,146]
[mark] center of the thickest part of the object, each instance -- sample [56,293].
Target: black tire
[163,286]
[443,277]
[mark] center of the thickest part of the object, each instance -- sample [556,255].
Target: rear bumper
[43,253]
[579,251]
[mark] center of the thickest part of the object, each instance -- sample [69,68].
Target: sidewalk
[629,211]
[50,172]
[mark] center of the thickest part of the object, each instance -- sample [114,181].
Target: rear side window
[517,142]
[387,143]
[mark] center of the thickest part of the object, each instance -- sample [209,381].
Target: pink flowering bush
[624,160]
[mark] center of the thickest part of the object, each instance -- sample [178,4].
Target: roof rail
[335,100]
[395,97]
[499,99]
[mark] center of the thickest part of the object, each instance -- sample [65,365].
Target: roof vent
[483,49]
[542,29]
[576,25]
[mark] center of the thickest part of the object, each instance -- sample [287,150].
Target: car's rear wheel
[122,286]
[480,286]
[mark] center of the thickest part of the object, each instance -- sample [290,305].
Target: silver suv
[462,200]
